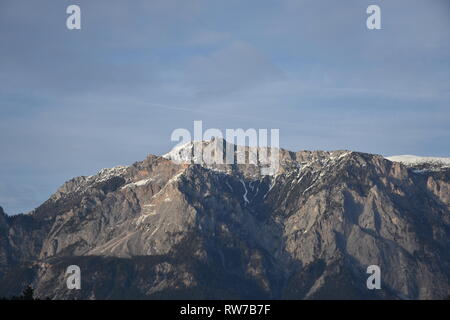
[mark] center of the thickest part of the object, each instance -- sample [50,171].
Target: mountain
[422,163]
[164,228]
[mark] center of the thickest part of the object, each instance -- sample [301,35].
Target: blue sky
[73,102]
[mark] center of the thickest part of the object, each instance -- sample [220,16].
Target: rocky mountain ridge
[169,228]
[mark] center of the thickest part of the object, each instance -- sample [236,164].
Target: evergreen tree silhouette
[27,294]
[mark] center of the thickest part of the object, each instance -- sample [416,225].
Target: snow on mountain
[154,229]
[183,153]
[207,149]
[411,160]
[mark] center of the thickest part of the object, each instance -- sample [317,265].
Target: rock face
[166,229]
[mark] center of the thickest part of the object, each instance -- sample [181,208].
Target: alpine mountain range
[165,228]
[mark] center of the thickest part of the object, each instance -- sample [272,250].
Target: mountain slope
[171,229]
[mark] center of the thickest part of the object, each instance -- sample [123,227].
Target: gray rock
[168,229]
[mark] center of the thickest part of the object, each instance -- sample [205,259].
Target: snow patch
[108,173]
[137,183]
[246,191]
[414,160]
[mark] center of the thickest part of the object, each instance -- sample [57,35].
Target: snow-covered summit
[412,160]
[422,163]
[199,151]
[218,154]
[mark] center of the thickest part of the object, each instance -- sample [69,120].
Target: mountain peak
[309,231]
